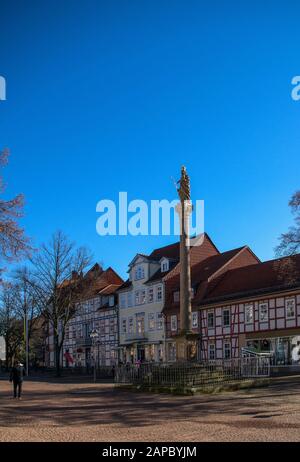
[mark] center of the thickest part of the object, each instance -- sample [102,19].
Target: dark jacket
[17,374]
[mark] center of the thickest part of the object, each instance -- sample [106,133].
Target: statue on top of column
[184,190]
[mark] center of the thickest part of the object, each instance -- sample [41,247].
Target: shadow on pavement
[70,404]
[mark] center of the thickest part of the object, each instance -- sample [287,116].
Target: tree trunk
[57,355]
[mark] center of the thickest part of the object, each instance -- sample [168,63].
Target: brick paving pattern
[68,411]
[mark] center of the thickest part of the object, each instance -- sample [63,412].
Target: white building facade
[141,301]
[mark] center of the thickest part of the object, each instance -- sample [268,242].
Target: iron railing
[200,374]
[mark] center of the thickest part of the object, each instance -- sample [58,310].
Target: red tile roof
[97,280]
[264,277]
[109,290]
[172,250]
[202,271]
[169,251]
[206,268]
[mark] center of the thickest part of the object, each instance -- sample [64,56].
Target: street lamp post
[94,336]
[26,342]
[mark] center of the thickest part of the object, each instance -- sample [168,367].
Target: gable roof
[94,270]
[96,280]
[208,271]
[206,268]
[138,255]
[272,275]
[172,252]
[168,251]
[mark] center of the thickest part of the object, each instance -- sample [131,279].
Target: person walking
[16,377]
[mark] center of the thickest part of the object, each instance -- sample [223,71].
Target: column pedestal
[186,346]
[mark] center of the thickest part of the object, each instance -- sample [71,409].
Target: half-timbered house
[97,309]
[254,309]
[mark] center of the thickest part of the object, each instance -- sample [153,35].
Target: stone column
[184,210]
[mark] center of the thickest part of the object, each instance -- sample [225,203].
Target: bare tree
[26,304]
[57,284]
[10,325]
[13,242]
[290,241]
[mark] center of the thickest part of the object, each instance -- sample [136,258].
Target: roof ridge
[260,263]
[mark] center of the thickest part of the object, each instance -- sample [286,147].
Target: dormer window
[139,273]
[164,266]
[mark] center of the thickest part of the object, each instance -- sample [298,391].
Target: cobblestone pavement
[67,411]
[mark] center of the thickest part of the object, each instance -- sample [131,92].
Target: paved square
[66,411]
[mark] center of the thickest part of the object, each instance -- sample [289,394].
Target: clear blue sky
[109,96]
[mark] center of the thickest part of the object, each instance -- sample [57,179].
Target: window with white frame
[159,293]
[164,266]
[130,325]
[143,296]
[195,319]
[122,300]
[227,350]
[211,351]
[290,308]
[137,297]
[210,319]
[151,321]
[139,273]
[159,321]
[174,323]
[140,323]
[263,311]
[150,295]
[129,299]
[248,313]
[226,317]
[124,326]
[176,296]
